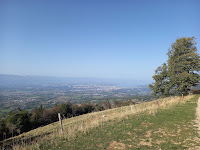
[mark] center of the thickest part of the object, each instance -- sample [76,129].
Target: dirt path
[198,116]
[197,121]
[197,124]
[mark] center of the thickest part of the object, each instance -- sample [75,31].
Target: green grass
[171,128]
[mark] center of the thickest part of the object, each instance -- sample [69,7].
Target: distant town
[30,97]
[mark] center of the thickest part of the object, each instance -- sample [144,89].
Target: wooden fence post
[131,108]
[61,127]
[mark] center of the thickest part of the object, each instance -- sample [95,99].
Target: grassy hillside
[165,124]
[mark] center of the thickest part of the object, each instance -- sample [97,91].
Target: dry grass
[73,126]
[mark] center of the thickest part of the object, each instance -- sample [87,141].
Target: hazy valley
[28,92]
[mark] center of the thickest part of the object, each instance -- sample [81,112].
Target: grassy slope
[167,129]
[170,128]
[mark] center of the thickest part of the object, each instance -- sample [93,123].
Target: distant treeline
[19,121]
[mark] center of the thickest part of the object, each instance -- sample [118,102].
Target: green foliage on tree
[161,81]
[3,128]
[19,119]
[181,72]
[66,109]
[37,116]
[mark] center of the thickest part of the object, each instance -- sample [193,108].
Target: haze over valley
[28,92]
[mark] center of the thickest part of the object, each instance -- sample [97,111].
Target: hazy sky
[92,38]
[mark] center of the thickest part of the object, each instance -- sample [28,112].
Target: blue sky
[125,39]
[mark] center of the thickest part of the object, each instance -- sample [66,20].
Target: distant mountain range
[10,81]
